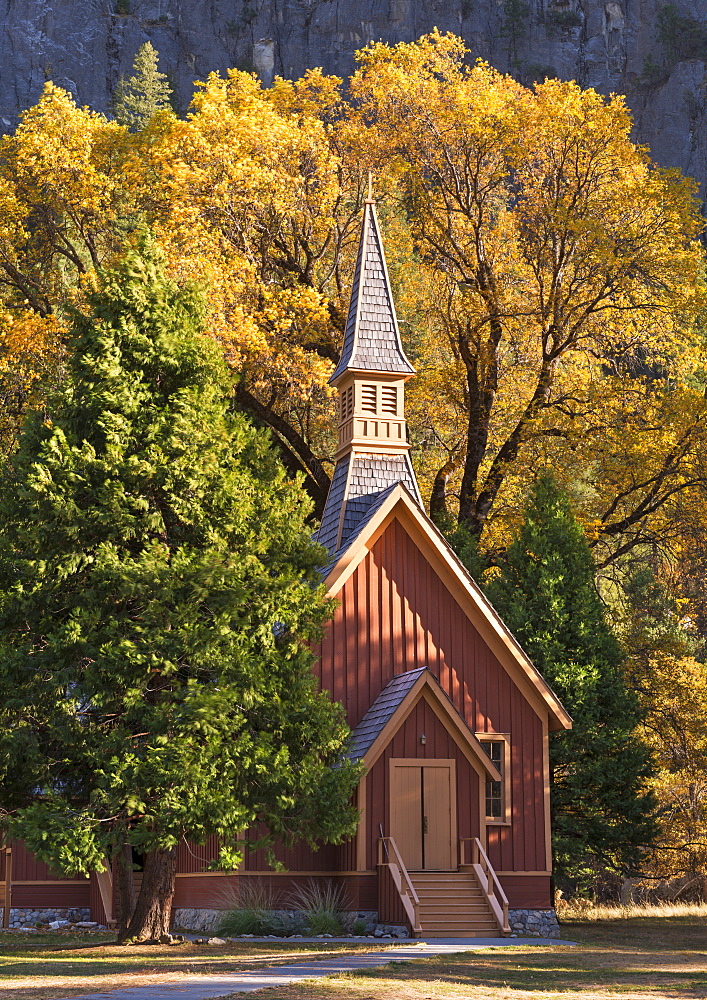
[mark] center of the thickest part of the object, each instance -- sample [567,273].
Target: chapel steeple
[372,455]
[373,369]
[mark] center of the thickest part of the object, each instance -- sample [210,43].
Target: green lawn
[42,967]
[637,958]
[641,957]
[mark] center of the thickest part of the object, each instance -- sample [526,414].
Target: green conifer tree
[140,96]
[602,816]
[158,589]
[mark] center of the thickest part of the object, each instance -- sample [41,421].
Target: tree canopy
[666,668]
[548,275]
[158,588]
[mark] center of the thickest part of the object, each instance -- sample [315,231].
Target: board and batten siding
[395,614]
[35,886]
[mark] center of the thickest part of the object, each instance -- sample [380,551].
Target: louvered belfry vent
[368,398]
[373,451]
[389,399]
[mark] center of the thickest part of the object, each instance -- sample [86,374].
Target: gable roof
[362,481]
[371,339]
[399,504]
[393,705]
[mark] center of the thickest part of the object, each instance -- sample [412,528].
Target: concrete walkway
[208,987]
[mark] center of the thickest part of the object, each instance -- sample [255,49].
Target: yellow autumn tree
[60,198]
[30,362]
[59,203]
[554,254]
[245,196]
[547,275]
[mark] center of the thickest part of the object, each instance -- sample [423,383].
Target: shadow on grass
[659,956]
[646,957]
[129,963]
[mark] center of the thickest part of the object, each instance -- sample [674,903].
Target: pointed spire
[372,339]
[373,454]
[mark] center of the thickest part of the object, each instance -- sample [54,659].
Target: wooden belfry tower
[372,455]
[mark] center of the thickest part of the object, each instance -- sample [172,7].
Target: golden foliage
[547,274]
[30,358]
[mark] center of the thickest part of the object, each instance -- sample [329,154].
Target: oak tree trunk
[153,910]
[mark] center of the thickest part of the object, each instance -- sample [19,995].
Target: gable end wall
[395,614]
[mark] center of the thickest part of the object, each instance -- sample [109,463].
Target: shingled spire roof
[373,454]
[372,339]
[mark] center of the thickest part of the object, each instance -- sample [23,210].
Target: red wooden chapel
[449,716]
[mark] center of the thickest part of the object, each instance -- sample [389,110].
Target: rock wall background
[612,45]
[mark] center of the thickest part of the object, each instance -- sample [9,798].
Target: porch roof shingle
[381,712]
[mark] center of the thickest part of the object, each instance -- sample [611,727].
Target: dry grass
[586,910]
[55,966]
[644,958]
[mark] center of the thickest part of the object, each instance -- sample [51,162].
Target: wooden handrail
[105,888]
[488,880]
[401,880]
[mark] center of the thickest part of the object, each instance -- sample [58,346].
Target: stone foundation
[189,919]
[534,923]
[524,923]
[25,917]
[293,921]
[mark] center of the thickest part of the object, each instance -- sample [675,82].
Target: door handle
[424,824]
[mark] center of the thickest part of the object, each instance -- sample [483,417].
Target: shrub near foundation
[323,906]
[252,911]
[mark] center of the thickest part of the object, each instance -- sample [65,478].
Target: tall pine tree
[138,97]
[602,816]
[158,589]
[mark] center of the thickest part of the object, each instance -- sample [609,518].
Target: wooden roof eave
[465,591]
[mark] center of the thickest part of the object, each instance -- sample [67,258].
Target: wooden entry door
[423,813]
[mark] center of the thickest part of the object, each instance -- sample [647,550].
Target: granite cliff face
[654,51]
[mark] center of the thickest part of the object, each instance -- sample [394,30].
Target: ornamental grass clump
[323,905]
[251,909]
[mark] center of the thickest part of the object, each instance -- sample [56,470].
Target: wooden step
[459,924]
[492,932]
[454,891]
[455,911]
[462,930]
[451,926]
[452,904]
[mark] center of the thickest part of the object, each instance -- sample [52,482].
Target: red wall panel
[27,868]
[56,894]
[527,891]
